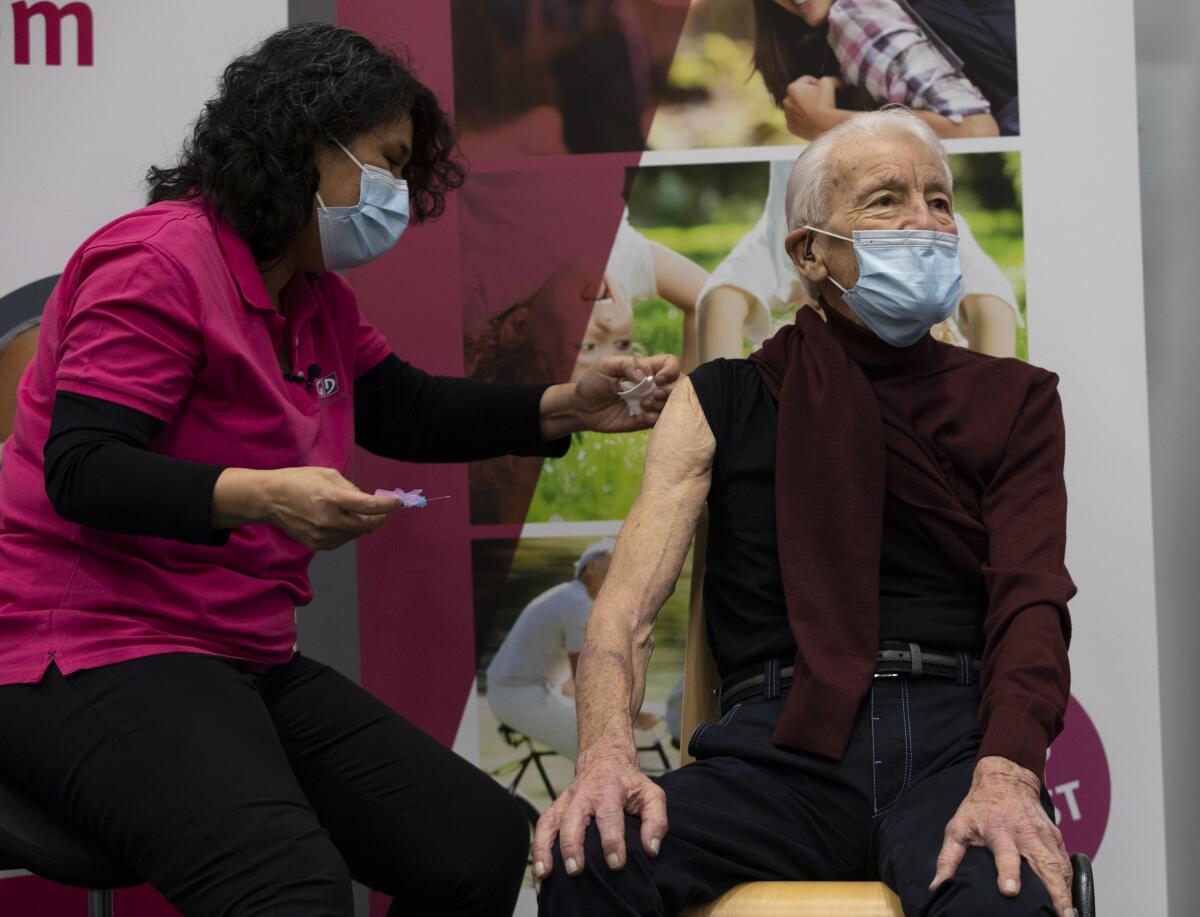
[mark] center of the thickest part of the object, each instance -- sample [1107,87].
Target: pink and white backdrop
[92,93]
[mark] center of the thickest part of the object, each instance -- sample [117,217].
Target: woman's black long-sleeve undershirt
[101,472]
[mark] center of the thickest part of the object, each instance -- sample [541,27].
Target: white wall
[1079,157]
[77,139]
[1168,51]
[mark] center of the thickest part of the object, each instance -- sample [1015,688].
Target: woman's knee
[473,864]
[501,848]
[311,878]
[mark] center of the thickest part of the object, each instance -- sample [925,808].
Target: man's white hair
[808,188]
[591,552]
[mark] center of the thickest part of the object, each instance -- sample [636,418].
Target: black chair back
[36,839]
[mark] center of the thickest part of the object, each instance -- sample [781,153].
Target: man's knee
[593,857]
[598,889]
[973,890]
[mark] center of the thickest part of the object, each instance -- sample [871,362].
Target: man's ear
[799,245]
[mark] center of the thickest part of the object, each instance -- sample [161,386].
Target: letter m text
[52,17]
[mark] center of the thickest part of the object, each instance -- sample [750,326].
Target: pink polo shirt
[163,311]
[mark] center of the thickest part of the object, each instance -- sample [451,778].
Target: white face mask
[908,281]
[354,235]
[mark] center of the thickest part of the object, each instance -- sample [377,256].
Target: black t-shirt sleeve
[718,386]
[404,413]
[100,472]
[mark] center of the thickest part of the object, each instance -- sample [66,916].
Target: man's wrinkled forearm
[604,693]
[649,554]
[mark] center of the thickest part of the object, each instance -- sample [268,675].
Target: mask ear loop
[808,255]
[826,232]
[354,159]
[362,168]
[348,153]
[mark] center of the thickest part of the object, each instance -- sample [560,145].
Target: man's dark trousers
[748,811]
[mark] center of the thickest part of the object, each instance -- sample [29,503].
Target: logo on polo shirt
[327,385]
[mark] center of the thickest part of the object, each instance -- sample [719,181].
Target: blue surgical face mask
[351,236]
[908,281]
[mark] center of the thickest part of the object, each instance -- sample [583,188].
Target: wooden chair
[794,899]
[14,357]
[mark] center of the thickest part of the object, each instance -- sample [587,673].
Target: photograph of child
[543,308]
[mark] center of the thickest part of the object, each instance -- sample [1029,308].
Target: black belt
[893,660]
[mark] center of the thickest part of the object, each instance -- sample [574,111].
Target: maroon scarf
[928,422]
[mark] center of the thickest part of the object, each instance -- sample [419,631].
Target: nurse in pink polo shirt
[180,449]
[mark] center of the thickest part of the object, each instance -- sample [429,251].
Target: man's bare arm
[611,677]
[649,554]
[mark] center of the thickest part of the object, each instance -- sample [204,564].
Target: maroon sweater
[975,445]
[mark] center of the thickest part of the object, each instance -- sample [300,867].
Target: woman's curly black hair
[251,150]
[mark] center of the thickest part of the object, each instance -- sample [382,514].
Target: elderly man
[885,589]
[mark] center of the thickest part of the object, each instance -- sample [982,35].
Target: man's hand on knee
[1002,812]
[603,791]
